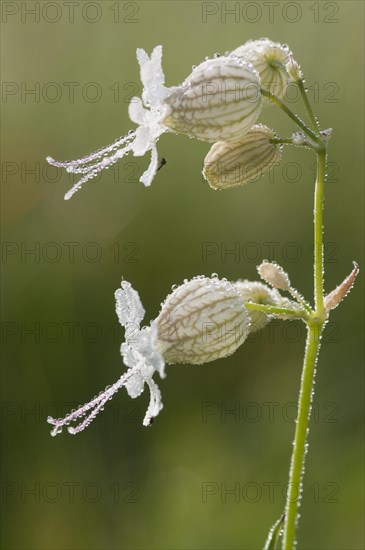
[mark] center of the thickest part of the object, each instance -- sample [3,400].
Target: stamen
[95,404]
[93,170]
[93,156]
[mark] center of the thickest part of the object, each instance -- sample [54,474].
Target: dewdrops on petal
[147,115]
[233,163]
[269,59]
[220,100]
[141,354]
[202,320]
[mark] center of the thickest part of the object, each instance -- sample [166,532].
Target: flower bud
[269,59]
[293,69]
[274,275]
[258,293]
[220,100]
[202,320]
[234,163]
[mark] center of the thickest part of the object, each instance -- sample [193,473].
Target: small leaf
[274,534]
[337,295]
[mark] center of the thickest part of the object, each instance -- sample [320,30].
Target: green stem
[308,106]
[300,299]
[292,115]
[318,232]
[301,433]
[272,310]
[314,327]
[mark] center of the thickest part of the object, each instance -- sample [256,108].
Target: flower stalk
[318,231]
[314,330]
[290,114]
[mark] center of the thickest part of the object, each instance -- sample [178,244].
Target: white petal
[149,174]
[128,305]
[156,64]
[129,356]
[142,141]
[155,404]
[135,385]
[152,76]
[136,110]
[148,347]
[142,57]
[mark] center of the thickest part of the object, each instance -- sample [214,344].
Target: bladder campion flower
[221,99]
[269,59]
[201,320]
[233,163]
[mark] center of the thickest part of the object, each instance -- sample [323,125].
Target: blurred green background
[119,485]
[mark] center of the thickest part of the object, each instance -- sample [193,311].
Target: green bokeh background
[154,238]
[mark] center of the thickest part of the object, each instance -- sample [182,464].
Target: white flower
[233,163]
[141,355]
[220,100]
[202,320]
[147,114]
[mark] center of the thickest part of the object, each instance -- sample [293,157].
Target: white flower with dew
[141,355]
[220,100]
[233,163]
[202,320]
[148,114]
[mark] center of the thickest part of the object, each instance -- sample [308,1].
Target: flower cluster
[206,318]
[219,102]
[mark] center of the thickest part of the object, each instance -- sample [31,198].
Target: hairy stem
[301,433]
[308,106]
[300,299]
[292,115]
[318,232]
[272,310]
[314,328]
